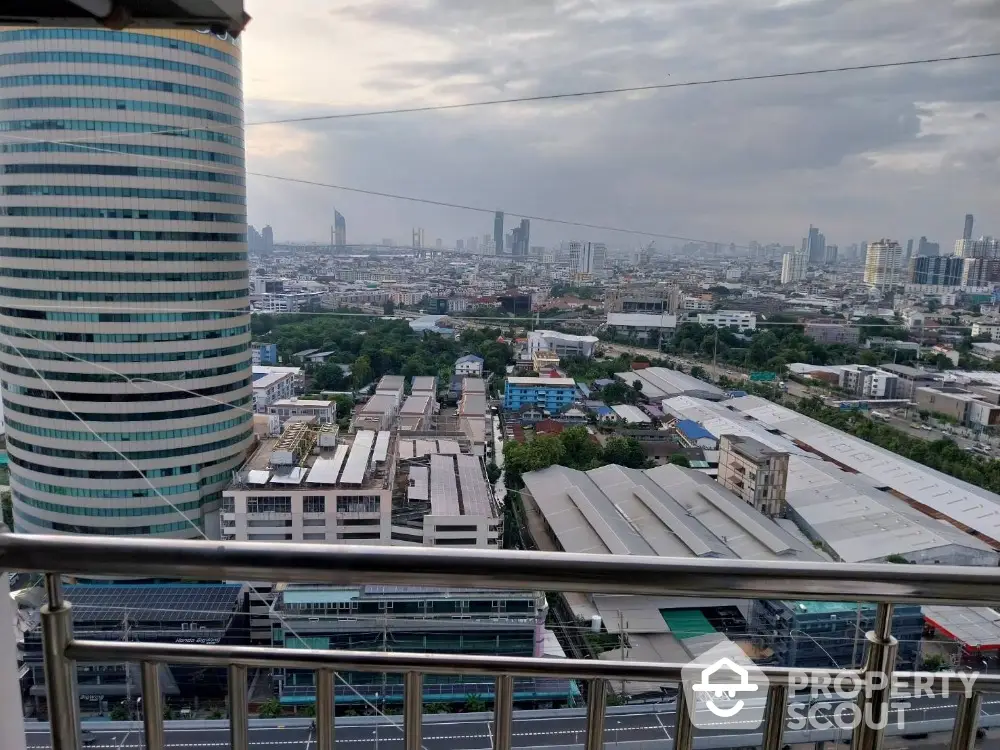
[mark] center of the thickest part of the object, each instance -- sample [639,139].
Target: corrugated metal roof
[971,506]
[667,511]
[860,522]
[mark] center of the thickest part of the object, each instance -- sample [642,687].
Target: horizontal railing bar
[465,664]
[505,569]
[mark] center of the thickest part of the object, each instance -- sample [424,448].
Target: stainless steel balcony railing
[128,557]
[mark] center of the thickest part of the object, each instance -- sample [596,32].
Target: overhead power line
[625,89]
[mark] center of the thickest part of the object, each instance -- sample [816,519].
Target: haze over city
[893,152]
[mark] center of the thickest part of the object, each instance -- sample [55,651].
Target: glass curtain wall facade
[123,279]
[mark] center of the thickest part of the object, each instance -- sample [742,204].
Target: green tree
[362,371]
[493,472]
[679,459]
[474,703]
[897,559]
[580,450]
[8,509]
[698,372]
[270,709]
[934,663]
[624,451]
[119,712]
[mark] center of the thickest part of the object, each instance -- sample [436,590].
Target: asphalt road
[460,733]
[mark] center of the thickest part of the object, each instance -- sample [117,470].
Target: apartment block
[551,394]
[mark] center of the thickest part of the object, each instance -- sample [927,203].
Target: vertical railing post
[325,709]
[11,708]
[876,689]
[503,713]
[774,716]
[413,710]
[683,728]
[963,736]
[597,703]
[152,706]
[60,672]
[239,710]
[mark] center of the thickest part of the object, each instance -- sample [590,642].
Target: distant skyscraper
[599,257]
[831,255]
[883,264]
[575,254]
[967,232]
[924,247]
[124,266]
[909,249]
[460,245]
[267,239]
[498,231]
[815,247]
[522,236]
[339,229]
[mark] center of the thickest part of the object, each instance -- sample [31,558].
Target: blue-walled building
[264,354]
[551,394]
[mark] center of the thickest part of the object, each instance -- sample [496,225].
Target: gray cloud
[899,152]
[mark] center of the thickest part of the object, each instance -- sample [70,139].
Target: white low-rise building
[470,364]
[270,388]
[989,328]
[744,321]
[322,411]
[563,344]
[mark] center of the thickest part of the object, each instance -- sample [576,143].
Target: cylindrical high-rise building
[123,278]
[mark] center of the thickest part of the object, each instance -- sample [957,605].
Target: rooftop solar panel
[357,461]
[153,602]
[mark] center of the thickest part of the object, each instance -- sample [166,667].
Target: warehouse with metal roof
[965,504]
[857,522]
[660,382]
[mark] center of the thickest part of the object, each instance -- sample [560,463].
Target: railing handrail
[468,568]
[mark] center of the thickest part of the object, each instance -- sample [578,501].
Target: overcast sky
[896,153]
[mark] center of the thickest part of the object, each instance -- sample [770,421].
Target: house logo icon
[724,689]
[727,689]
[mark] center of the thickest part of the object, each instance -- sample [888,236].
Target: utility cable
[566,95]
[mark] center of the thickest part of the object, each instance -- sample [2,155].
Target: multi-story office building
[416,619]
[114,262]
[937,270]
[883,263]
[967,230]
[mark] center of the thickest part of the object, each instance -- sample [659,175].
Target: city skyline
[928,128]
